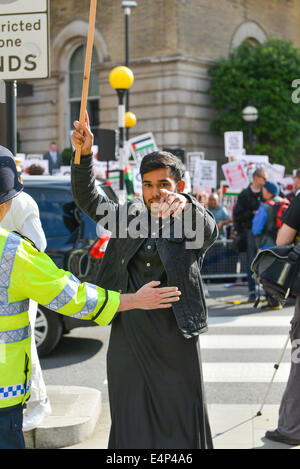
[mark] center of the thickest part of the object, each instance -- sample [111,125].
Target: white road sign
[24,40]
[22,6]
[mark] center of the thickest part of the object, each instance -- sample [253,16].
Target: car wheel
[48,330]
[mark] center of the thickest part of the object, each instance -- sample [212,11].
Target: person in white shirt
[23,218]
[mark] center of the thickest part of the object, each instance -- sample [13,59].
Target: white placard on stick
[191,158]
[205,174]
[234,143]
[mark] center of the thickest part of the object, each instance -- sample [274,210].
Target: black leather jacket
[182,265]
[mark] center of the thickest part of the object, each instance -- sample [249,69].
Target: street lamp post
[121,78]
[250,115]
[127,5]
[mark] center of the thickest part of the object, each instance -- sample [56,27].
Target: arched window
[76,69]
[252,41]
[250,32]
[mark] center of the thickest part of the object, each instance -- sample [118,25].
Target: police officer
[27,273]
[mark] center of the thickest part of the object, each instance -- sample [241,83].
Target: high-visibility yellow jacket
[27,273]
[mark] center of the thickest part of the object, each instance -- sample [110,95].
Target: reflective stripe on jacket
[27,273]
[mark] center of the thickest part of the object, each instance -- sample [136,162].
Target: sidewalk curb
[75,412]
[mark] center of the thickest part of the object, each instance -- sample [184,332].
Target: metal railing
[223,261]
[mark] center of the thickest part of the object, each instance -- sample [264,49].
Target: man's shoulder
[25,203]
[244,193]
[295,204]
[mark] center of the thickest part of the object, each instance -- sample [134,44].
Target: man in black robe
[154,372]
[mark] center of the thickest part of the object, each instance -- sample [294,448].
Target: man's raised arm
[83,179]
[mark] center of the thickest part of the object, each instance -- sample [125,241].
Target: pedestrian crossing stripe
[244,372]
[253,320]
[241,341]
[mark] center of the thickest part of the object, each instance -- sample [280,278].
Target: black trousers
[11,434]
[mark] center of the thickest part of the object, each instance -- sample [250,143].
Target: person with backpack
[268,219]
[288,427]
[266,223]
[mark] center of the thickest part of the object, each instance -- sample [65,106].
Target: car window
[89,227]
[58,212]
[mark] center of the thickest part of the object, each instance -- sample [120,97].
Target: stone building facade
[173,43]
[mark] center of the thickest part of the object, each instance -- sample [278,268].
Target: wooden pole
[87,70]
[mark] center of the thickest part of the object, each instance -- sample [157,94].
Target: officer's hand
[172,203]
[83,137]
[150,297]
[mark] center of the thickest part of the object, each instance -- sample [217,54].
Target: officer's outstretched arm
[34,275]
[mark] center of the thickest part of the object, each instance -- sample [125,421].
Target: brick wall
[173,44]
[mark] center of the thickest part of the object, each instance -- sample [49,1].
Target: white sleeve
[33,230]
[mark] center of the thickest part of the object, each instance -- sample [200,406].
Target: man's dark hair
[36,170]
[297,174]
[163,159]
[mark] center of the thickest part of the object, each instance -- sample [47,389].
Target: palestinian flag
[128,179]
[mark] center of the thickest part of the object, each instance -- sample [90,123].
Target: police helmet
[10,186]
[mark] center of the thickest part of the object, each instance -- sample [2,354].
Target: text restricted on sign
[24,46]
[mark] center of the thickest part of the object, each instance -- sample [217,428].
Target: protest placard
[137,180]
[205,175]
[65,170]
[191,158]
[100,168]
[287,185]
[188,183]
[141,146]
[234,143]
[235,174]
[259,160]
[275,173]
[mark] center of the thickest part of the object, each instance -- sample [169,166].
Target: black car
[72,242]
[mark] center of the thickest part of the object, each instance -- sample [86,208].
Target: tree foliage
[262,76]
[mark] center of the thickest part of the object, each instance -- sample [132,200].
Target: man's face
[53,147]
[266,194]
[260,180]
[212,202]
[4,208]
[296,183]
[152,182]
